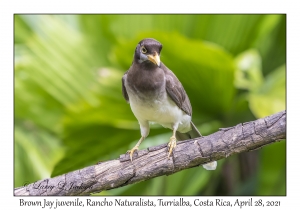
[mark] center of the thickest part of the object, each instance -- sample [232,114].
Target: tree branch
[153,162]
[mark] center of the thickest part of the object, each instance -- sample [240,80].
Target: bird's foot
[132,151]
[171,145]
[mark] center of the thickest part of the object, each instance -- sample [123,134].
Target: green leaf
[249,74]
[270,97]
[36,153]
[272,170]
[271,42]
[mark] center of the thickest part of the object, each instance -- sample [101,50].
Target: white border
[8,8]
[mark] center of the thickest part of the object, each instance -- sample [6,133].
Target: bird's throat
[146,81]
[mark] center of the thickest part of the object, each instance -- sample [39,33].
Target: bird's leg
[136,147]
[145,129]
[172,142]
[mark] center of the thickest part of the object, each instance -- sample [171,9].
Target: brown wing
[176,91]
[124,92]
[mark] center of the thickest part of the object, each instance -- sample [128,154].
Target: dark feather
[176,91]
[124,92]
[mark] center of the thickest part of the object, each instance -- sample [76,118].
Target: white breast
[160,110]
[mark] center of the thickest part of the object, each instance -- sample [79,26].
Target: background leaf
[270,98]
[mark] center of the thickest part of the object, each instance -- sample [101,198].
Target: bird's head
[148,50]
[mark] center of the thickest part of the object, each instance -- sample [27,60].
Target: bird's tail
[194,133]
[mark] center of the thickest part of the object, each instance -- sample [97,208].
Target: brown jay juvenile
[156,95]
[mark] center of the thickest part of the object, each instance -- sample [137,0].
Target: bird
[156,95]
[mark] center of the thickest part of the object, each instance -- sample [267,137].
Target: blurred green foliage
[70,113]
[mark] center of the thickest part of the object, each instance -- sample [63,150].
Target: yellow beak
[154,59]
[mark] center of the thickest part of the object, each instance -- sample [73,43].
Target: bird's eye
[143,50]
